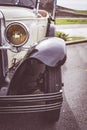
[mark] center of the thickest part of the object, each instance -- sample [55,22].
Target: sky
[73,4]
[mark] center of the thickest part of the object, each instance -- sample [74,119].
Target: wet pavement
[75,79]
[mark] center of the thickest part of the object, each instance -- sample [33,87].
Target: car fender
[51,51]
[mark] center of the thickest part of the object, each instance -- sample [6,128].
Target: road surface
[75,78]
[73,30]
[74,110]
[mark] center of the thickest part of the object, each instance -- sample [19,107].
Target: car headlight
[16,34]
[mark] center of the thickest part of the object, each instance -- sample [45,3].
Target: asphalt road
[73,29]
[75,78]
[74,110]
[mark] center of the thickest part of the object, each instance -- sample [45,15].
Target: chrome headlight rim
[23,27]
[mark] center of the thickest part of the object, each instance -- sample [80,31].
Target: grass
[68,38]
[81,12]
[63,21]
[74,38]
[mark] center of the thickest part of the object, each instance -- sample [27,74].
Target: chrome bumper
[30,103]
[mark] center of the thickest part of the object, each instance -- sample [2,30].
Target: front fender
[51,51]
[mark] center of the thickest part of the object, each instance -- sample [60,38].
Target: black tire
[24,80]
[53,83]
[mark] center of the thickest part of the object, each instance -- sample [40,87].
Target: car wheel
[52,84]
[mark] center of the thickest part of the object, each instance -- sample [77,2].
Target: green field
[81,12]
[60,21]
[74,38]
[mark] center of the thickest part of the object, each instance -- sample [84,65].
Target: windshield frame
[19,3]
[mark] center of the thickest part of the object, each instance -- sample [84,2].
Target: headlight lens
[16,34]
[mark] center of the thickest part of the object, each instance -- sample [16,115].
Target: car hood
[17,13]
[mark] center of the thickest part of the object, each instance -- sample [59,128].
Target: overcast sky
[73,4]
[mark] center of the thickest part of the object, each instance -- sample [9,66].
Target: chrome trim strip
[30,103]
[33,97]
[28,109]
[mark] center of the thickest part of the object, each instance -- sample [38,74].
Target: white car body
[35,23]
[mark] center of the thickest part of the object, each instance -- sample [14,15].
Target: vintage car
[30,58]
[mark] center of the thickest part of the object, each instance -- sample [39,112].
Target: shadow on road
[67,119]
